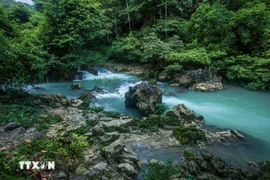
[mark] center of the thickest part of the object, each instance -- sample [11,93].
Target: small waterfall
[47,79]
[83,75]
[103,72]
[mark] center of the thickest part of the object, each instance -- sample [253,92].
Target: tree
[71,27]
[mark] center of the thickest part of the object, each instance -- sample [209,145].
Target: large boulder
[198,80]
[144,97]
[55,100]
[186,115]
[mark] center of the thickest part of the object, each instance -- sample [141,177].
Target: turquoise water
[231,108]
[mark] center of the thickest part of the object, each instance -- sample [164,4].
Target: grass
[60,150]
[28,116]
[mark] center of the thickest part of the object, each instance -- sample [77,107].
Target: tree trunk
[129,24]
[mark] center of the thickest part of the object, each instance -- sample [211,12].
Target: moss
[154,122]
[161,170]
[189,135]
[189,155]
[112,114]
[152,81]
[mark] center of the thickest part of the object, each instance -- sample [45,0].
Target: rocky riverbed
[121,145]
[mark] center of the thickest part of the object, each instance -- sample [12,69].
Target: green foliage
[161,170]
[126,49]
[251,26]
[160,109]
[27,116]
[189,135]
[20,13]
[58,150]
[176,67]
[211,26]
[112,114]
[190,58]
[251,72]
[264,172]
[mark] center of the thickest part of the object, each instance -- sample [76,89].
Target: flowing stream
[231,108]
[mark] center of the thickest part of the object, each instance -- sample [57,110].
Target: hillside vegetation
[54,38]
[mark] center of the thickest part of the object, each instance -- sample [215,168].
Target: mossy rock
[189,155]
[152,81]
[154,122]
[189,135]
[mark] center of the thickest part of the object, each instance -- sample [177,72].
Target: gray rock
[113,123]
[199,80]
[11,126]
[76,86]
[186,115]
[98,130]
[78,177]
[237,134]
[60,175]
[132,158]
[207,86]
[127,169]
[110,137]
[30,130]
[144,97]
[91,175]
[100,166]
[16,132]
[113,149]
[32,135]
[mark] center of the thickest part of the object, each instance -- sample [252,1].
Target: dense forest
[231,38]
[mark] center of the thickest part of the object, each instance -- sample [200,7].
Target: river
[231,108]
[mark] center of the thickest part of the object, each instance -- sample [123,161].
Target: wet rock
[81,170]
[76,86]
[113,149]
[237,134]
[127,169]
[11,126]
[87,97]
[208,86]
[198,80]
[186,115]
[144,97]
[230,135]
